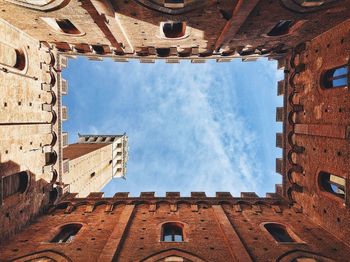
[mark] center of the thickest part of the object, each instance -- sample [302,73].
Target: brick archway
[172,252]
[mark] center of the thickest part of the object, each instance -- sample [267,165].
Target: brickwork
[319,130]
[215,229]
[35,41]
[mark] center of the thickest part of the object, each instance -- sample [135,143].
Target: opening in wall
[15,183]
[62,25]
[281,28]
[332,184]
[172,232]
[279,232]
[336,77]
[173,29]
[67,233]
[174,3]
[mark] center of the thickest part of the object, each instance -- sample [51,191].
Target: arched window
[174,29]
[15,183]
[279,232]
[172,232]
[332,184]
[281,28]
[336,77]
[62,25]
[66,233]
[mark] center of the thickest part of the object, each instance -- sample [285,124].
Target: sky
[191,127]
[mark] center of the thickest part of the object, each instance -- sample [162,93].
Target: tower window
[279,232]
[174,29]
[336,77]
[172,232]
[67,233]
[174,3]
[15,183]
[281,28]
[332,184]
[92,174]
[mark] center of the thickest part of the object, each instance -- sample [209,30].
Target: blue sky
[191,127]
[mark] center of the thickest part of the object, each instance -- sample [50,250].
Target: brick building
[306,219]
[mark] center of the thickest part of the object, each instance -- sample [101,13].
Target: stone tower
[92,162]
[306,219]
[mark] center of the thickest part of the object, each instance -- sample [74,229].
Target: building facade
[42,218]
[92,162]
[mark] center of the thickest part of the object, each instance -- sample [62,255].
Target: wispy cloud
[188,126]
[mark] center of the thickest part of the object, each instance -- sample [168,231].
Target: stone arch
[294,254]
[299,8]
[172,252]
[41,5]
[50,254]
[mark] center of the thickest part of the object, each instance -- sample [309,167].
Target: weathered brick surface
[321,130]
[132,232]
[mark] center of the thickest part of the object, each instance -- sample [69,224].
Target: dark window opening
[119,170]
[110,161]
[119,145]
[16,183]
[281,28]
[53,195]
[50,158]
[20,60]
[92,175]
[279,232]
[226,14]
[119,153]
[336,77]
[172,232]
[174,29]
[332,184]
[98,49]
[67,233]
[67,27]
[119,162]
[163,52]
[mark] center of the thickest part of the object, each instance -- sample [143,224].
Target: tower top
[120,150]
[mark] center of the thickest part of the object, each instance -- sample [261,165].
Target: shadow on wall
[22,197]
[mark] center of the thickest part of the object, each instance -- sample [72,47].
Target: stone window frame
[327,71]
[294,236]
[22,60]
[184,227]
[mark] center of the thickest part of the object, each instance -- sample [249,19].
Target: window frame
[173,224]
[331,193]
[328,77]
[292,235]
[59,230]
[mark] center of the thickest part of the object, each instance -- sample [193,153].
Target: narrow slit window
[174,3]
[279,232]
[332,184]
[172,232]
[336,77]
[67,233]
[281,28]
